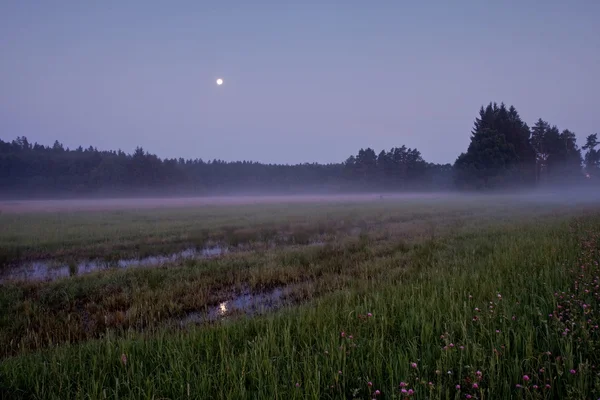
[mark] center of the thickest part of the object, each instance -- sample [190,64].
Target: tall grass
[446,318]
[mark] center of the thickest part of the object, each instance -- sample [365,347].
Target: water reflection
[245,302]
[47,270]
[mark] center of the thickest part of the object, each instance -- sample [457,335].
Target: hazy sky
[304,80]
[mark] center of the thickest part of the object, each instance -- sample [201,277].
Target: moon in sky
[219,81]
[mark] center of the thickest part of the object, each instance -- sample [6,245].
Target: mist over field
[299,200]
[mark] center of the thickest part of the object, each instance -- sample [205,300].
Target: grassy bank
[467,301]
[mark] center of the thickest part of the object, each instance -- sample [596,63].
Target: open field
[414,297]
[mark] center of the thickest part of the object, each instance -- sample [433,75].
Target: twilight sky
[304,80]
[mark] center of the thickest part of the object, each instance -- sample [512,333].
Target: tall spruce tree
[500,152]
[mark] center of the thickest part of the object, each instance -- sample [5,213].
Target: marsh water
[242,303]
[49,270]
[45,270]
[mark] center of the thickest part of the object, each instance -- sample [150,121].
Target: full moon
[219,81]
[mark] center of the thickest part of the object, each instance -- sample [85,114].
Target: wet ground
[47,270]
[241,303]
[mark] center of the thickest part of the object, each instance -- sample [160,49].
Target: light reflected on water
[48,270]
[223,308]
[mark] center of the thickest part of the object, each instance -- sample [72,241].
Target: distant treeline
[504,152]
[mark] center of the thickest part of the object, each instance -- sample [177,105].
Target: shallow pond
[47,270]
[245,302]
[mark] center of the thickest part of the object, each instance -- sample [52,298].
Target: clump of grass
[73,268]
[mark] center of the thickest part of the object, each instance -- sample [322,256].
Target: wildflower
[514,318]
[525,378]
[462,347]
[369,315]
[457,387]
[518,386]
[377,392]
[340,372]
[478,373]
[430,383]
[123,359]
[475,386]
[343,334]
[402,384]
[404,391]
[369,383]
[297,384]
[541,370]
[468,396]
[350,337]
[573,372]
[451,344]
[413,365]
[499,296]
[535,387]
[410,392]
[497,330]
[548,386]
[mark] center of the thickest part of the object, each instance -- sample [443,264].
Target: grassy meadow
[438,298]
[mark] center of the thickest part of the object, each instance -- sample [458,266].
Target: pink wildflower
[457,387]
[369,383]
[525,378]
[475,386]
[369,315]
[377,392]
[573,371]
[123,359]
[413,365]
[297,384]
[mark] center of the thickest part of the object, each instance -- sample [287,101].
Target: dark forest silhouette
[504,153]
